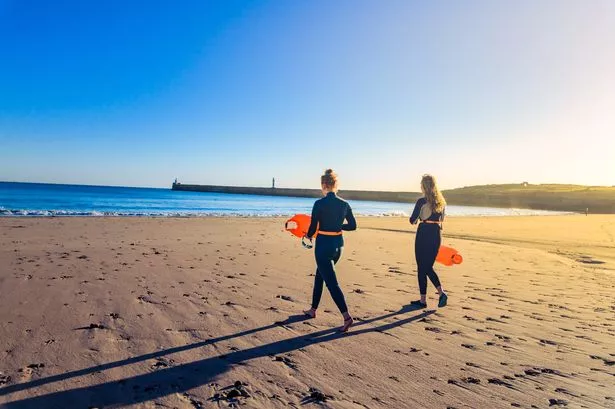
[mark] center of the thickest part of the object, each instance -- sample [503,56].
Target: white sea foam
[74,213]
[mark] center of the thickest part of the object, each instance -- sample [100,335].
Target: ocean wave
[4,212]
[76,213]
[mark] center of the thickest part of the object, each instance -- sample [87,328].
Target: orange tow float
[448,256]
[299,224]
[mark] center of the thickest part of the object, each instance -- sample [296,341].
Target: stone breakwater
[398,197]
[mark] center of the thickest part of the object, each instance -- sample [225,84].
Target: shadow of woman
[181,378]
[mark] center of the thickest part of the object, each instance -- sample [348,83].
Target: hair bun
[329,179]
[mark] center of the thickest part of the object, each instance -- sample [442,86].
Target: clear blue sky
[235,92]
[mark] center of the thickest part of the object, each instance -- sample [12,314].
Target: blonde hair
[329,179]
[432,193]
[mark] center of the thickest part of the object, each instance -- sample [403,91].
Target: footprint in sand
[316,396]
[433,329]
[285,298]
[32,369]
[92,326]
[499,382]
[145,299]
[565,391]
[606,361]
[503,337]
[192,400]
[162,363]
[287,361]
[589,260]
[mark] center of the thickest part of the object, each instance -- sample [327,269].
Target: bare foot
[310,313]
[347,324]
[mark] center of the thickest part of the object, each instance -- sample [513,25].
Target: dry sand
[172,313]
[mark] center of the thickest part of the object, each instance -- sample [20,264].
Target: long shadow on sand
[181,378]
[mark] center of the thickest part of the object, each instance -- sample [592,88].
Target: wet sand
[199,313]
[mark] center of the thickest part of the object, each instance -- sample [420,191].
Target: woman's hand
[309,244]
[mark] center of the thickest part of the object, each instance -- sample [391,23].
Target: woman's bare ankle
[310,312]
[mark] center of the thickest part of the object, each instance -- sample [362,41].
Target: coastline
[565,198]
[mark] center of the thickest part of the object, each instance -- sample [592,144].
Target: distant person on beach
[429,211]
[329,215]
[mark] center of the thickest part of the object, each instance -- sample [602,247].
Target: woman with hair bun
[429,210]
[328,216]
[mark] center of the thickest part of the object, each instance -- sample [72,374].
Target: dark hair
[329,179]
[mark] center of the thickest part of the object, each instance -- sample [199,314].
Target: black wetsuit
[328,215]
[427,242]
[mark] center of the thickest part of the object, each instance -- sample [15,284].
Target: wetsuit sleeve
[314,222]
[417,210]
[352,223]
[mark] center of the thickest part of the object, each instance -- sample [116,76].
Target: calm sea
[37,199]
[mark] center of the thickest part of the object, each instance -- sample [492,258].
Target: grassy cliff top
[543,188]
[574,198]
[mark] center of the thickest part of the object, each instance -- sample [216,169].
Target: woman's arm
[313,222]
[417,210]
[352,223]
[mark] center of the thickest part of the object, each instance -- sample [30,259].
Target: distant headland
[568,198]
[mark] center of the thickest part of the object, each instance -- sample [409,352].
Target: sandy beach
[206,312]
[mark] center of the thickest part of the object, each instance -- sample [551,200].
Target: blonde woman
[330,216]
[429,211]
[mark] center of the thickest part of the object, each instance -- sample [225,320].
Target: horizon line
[281,188]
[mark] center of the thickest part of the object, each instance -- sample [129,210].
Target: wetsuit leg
[328,252]
[317,293]
[426,248]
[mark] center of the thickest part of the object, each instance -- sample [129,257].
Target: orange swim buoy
[448,256]
[298,225]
